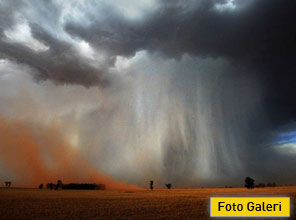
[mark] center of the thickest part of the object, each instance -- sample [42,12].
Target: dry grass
[160,204]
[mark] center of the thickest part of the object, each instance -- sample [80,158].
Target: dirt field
[160,204]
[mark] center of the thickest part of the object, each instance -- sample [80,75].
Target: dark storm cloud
[255,34]
[60,63]
[6,13]
[223,117]
[259,36]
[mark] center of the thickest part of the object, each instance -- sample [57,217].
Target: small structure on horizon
[151,184]
[8,183]
[40,186]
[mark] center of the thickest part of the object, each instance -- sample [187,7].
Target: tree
[169,186]
[249,183]
[49,186]
[40,186]
[59,185]
[151,184]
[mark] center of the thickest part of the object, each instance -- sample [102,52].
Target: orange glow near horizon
[41,155]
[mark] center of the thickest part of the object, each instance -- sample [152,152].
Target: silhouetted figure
[40,186]
[151,184]
[8,184]
[59,185]
[249,183]
[169,186]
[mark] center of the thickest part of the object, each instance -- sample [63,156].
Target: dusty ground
[160,204]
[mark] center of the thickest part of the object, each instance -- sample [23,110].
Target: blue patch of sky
[286,138]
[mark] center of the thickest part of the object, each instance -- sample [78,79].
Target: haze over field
[191,93]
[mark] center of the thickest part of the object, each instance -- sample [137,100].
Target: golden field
[95,204]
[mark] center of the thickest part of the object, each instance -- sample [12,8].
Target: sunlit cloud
[21,33]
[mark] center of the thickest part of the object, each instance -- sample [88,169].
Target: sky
[192,93]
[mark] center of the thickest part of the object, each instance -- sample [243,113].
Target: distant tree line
[78,186]
[84,186]
[250,184]
[262,185]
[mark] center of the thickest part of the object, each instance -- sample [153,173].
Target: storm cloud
[57,60]
[190,92]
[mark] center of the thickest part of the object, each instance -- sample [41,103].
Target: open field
[96,204]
